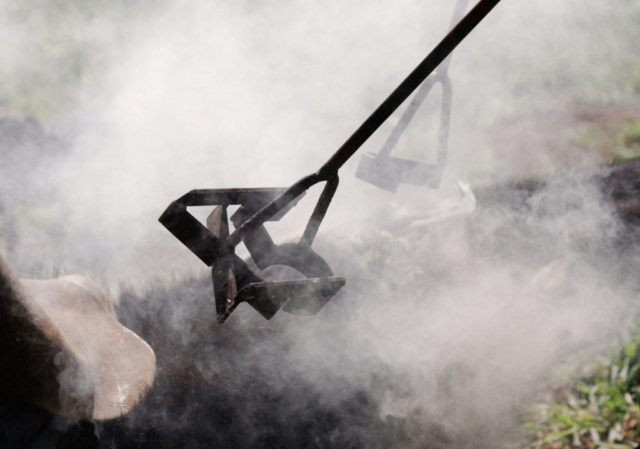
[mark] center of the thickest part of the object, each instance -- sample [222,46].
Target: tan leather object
[63,349]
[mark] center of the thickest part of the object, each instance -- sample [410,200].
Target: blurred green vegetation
[596,407]
[616,139]
[60,46]
[65,44]
[626,17]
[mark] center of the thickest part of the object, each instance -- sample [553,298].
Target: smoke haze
[450,328]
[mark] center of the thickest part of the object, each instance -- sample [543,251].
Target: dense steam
[446,328]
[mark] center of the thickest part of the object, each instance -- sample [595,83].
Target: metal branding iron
[310,283]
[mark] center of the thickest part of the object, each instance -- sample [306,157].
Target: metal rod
[458,13]
[445,114]
[273,208]
[410,83]
[441,76]
[320,211]
[407,115]
[375,120]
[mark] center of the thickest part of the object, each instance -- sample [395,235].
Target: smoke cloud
[447,328]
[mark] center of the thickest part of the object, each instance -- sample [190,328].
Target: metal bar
[445,119]
[320,211]
[407,115]
[228,197]
[221,273]
[371,124]
[186,228]
[410,83]
[273,208]
[458,13]
[440,76]
[192,233]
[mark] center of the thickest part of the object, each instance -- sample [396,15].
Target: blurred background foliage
[64,44]
[593,405]
[61,46]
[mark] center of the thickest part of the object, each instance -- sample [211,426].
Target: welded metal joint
[234,280]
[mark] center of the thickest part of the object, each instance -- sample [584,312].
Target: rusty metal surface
[234,280]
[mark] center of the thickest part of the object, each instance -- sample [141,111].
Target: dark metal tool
[310,283]
[389,172]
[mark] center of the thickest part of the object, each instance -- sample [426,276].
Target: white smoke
[241,94]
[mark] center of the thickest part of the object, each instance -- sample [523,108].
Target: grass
[628,141]
[617,139]
[597,409]
[631,135]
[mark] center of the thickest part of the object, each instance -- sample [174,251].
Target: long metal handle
[458,13]
[375,120]
[406,88]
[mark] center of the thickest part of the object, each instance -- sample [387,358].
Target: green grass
[631,135]
[598,408]
[616,140]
